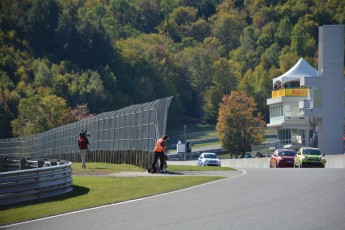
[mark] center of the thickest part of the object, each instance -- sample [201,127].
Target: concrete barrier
[333,161]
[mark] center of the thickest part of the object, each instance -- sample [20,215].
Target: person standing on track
[159,153]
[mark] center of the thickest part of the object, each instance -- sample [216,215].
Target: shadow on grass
[77,191]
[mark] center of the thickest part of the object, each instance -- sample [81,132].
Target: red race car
[282,158]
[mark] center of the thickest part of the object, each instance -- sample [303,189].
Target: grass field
[207,133]
[94,187]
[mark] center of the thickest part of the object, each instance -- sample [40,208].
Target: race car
[282,158]
[309,157]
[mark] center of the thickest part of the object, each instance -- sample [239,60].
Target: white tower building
[307,107]
[326,92]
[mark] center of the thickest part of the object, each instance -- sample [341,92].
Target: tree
[227,28]
[148,14]
[196,63]
[239,125]
[283,34]
[198,30]
[41,23]
[50,112]
[178,23]
[301,42]
[81,112]
[5,85]
[86,87]
[224,80]
[8,102]
[42,72]
[66,34]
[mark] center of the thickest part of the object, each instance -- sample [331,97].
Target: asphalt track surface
[249,199]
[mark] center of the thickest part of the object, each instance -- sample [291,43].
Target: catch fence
[127,135]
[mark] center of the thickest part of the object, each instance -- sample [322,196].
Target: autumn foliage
[239,124]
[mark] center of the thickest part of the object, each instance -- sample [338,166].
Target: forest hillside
[63,60]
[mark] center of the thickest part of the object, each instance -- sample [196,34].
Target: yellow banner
[290,93]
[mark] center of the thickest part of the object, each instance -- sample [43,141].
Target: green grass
[211,143]
[92,190]
[104,168]
[191,128]
[224,156]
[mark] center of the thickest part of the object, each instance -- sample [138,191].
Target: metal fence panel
[135,127]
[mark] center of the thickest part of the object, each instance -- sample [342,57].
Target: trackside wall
[333,161]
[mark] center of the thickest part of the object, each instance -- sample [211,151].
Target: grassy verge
[90,190]
[93,168]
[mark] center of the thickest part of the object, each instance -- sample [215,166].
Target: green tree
[198,30]
[271,56]
[239,125]
[86,87]
[179,23]
[148,14]
[336,8]
[224,80]
[94,48]
[42,72]
[301,42]
[66,34]
[8,102]
[227,28]
[283,34]
[167,6]
[42,20]
[5,87]
[196,65]
[287,59]
[49,112]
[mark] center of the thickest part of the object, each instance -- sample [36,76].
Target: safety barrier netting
[126,135]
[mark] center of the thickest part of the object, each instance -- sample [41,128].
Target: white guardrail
[31,184]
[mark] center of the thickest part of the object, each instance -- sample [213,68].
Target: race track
[254,199]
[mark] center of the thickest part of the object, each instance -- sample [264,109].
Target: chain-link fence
[122,136]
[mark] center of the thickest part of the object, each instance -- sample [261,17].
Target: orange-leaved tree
[239,124]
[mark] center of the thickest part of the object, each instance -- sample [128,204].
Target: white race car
[208,159]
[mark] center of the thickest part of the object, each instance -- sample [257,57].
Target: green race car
[309,157]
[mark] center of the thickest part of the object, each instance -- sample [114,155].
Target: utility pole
[185,142]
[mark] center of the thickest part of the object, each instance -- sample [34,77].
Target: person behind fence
[83,143]
[159,153]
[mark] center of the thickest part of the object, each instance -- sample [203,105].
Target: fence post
[22,164]
[2,163]
[40,163]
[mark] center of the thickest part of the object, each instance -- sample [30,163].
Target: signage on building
[290,93]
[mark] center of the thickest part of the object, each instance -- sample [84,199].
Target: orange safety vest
[159,147]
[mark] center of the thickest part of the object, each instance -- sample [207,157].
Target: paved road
[257,199]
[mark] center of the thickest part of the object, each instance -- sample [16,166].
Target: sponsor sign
[290,93]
